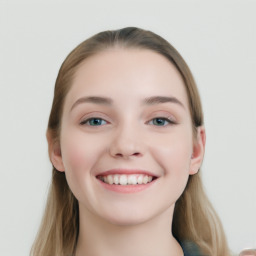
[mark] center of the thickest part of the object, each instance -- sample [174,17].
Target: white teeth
[132,180]
[145,179]
[123,179]
[110,179]
[116,179]
[140,178]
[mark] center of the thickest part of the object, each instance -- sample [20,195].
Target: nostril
[136,154]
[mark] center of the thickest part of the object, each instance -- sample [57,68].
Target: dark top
[190,249]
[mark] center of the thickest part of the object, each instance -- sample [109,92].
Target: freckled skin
[127,140]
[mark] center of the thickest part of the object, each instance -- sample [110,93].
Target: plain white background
[217,39]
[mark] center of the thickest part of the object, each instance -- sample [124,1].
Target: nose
[126,143]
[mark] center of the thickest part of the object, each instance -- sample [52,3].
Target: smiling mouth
[126,179]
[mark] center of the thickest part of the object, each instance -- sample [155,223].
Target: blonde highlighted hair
[194,217]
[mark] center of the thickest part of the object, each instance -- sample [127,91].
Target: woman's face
[126,121]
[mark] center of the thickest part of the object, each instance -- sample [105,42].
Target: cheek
[74,155]
[175,162]
[79,151]
[173,153]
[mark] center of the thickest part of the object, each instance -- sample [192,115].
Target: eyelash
[169,121]
[85,122]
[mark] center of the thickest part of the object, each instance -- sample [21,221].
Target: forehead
[131,72]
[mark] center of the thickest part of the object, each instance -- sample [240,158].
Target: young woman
[126,140]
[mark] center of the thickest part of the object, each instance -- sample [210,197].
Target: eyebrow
[93,99]
[154,100]
[162,99]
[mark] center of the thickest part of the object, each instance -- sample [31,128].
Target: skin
[128,137]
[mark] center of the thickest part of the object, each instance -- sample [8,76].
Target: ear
[55,152]
[198,150]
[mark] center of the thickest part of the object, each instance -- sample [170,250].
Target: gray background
[216,38]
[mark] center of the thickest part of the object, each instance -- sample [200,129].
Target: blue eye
[160,121]
[94,121]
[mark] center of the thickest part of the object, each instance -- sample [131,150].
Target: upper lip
[126,171]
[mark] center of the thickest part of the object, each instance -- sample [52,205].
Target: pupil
[95,122]
[159,121]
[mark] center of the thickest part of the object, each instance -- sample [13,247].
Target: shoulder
[190,248]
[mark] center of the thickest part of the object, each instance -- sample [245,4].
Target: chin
[127,217]
[125,221]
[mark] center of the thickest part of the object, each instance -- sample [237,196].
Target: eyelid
[165,115]
[89,119]
[169,120]
[92,115]
[157,114]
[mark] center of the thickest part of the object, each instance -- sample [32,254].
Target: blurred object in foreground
[248,252]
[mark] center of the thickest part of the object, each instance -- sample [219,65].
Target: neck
[98,237]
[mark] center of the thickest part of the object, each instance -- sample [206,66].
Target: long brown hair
[194,217]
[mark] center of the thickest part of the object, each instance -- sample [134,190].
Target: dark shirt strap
[190,249]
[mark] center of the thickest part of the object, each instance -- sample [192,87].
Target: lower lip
[126,188]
